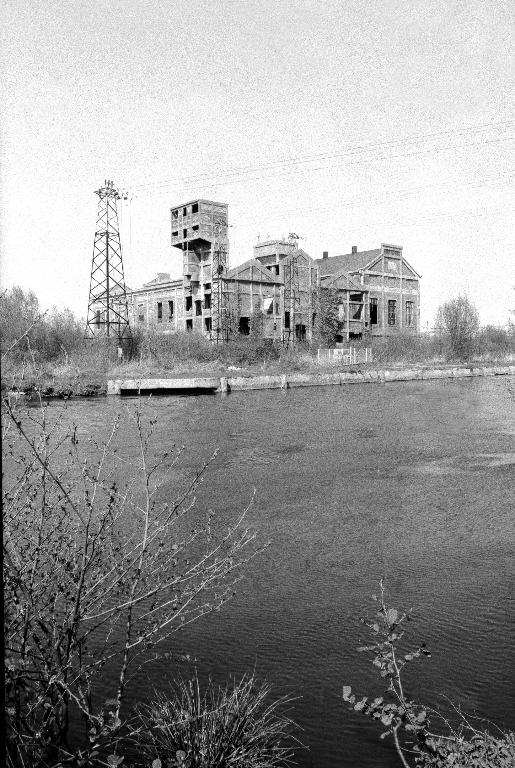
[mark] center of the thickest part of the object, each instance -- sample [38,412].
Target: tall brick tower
[200,231]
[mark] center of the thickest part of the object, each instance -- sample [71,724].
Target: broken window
[194,208]
[356,311]
[207,286]
[175,214]
[170,310]
[286,319]
[373,311]
[391,311]
[409,313]
[189,325]
[198,307]
[189,303]
[185,233]
[276,269]
[268,306]
[175,234]
[207,301]
[195,228]
[313,319]
[207,323]
[185,211]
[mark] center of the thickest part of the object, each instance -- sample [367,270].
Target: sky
[348,122]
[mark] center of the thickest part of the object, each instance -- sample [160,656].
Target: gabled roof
[348,283]
[347,262]
[259,272]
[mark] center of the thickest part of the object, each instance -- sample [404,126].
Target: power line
[228,176]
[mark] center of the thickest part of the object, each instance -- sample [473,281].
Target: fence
[348,356]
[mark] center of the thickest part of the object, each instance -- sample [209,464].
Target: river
[412,481]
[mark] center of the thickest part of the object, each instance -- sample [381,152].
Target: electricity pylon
[108,314]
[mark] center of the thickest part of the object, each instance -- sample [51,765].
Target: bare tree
[457,321]
[97,571]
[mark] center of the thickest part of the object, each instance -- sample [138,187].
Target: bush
[457,323]
[410,723]
[226,726]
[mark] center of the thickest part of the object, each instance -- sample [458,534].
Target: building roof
[348,283]
[350,262]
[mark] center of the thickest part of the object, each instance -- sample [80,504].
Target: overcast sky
[349,122]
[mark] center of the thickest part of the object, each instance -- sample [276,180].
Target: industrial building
[277,292]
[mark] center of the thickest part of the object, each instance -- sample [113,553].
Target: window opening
[198,307]
[244,326]
[194,208]
[185,211]
[409,313]
[373,311]
[207,301]
[159,311]
[286,319]
[189,303]
[185,233]
[189,325]
[170,310]
[391,311]
[207,323]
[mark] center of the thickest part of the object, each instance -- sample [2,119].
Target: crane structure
[108,314]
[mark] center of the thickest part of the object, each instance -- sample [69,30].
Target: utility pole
[108,314]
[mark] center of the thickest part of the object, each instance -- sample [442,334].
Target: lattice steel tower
[108,314]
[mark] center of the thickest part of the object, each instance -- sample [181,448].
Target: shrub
[461,746]
[457,322]
[218,727]
[97,571]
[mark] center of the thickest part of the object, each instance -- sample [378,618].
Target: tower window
[198,307]
[194,208]
[207,323]
[185,211]
[207,301]
[175,234]
[185,233]
[189,303]
[175,214]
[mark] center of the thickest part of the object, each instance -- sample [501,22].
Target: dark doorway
[244,326]
[300,332]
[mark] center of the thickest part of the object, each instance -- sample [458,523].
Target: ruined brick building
[277,291]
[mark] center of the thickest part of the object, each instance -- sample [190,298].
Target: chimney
[325,255]
[354,249]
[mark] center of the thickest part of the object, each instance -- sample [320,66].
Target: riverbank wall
[225,384]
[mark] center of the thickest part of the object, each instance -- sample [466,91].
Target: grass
[235,726]
[86,369]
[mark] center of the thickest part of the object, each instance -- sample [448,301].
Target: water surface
[413,481]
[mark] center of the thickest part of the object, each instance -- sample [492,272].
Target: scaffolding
[108,313]
[220,303]
[293,315]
